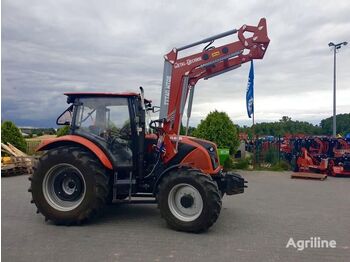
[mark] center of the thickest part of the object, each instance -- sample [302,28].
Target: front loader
[113,154]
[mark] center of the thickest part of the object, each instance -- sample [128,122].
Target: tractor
[115,152]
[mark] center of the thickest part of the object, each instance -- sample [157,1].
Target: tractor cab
[115,122]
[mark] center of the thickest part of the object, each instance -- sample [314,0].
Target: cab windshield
[100,116]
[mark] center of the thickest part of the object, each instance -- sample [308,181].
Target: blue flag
[250,91]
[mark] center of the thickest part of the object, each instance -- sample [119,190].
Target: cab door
[119,132]
[106,121]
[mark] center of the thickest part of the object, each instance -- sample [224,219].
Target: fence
[265,151]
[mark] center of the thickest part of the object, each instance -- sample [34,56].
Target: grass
[246,164]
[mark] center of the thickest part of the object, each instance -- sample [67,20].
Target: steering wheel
[115,140]
[153,125]
[125,132]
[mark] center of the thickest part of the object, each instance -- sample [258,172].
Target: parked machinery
[339,162]
[319,154]
[308,155]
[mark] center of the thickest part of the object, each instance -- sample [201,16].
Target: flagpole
[253,115]
[250,104]
[253,131]
[254,140]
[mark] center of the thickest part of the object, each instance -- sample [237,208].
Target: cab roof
[72,96]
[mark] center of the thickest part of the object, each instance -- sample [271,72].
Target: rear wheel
[189,200]
[69,185]
[64,187]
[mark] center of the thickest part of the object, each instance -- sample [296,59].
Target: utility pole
[335,47]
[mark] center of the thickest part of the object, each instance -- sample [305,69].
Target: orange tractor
[112,155]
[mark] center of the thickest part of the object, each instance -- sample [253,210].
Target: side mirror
[154,109]
[66,117]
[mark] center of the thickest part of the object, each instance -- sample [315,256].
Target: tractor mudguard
[64,140]
[163,173]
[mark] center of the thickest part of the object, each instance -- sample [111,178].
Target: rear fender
[77,140]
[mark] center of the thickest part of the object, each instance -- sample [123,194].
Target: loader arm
[181,74]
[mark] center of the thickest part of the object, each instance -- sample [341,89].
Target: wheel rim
[64,187]
[185,202]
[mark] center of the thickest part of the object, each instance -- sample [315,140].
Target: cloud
[51,47]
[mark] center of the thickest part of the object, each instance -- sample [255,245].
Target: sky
[51,47]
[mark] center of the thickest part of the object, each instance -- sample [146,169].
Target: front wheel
[189,200]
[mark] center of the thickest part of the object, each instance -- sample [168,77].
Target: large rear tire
[69,185]
[189,200]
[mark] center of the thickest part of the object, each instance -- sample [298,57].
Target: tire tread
[212,196]
[101,178]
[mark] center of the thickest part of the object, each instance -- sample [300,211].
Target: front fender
[63,140]
[163,173]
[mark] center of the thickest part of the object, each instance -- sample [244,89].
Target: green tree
[50,131]
[343,124]
[284,126]
[63,131]
[11,134]
[288,126]
[191,130]
[183,130]
[219,128]
[247,130]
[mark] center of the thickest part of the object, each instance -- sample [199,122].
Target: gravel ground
[254,226]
